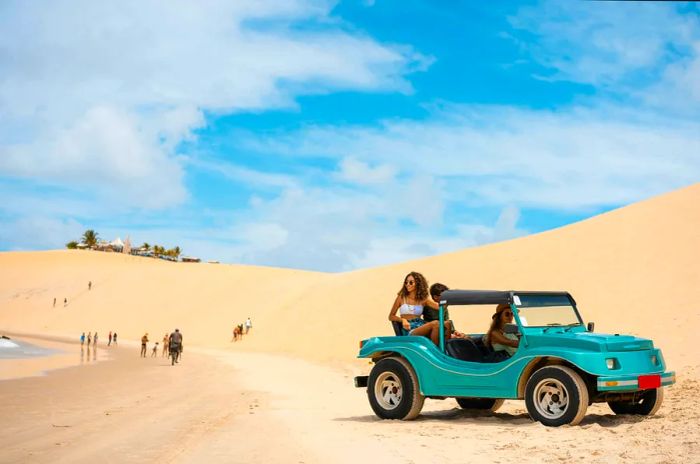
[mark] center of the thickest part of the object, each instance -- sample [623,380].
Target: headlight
[611,363]
[654,360]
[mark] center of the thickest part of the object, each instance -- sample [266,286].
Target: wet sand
[65,354]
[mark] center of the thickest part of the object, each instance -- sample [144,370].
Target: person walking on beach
[114,338]
[154,353]
[89,338]
[166,339]
[54,302]
[90,285]
[248,325]
[65,302]
[144,342]
[82,339]
[110,338]
[176,345]
[94,340]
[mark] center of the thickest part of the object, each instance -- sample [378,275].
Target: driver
[501,342]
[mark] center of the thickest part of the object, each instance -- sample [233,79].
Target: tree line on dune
[90,240]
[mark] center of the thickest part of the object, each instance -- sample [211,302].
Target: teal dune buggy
[560,366]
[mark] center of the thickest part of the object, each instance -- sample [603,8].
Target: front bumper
[635,382]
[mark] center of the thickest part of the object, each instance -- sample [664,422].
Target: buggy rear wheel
[646,403]
[393,390]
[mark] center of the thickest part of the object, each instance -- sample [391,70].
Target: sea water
[12,349]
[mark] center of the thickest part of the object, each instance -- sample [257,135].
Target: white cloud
[102,98]
[603,43]
[32,232]
[357,172]
[578,159]
[105,152]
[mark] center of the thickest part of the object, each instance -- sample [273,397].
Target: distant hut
[117,245]
[190,259]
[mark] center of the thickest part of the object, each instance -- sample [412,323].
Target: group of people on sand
[416,308]
[92,339]
[172,345]
[241,329]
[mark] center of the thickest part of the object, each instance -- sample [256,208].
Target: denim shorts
[414,324]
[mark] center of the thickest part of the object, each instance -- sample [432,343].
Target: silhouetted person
[82,340]
[248,325]
[110,338]
[94,340]
[176,345]
[114,339]
[90,285]
[54,302]
[144,342]
[154,352]
[65,302]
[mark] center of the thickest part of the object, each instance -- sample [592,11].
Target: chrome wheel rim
[551,398]
[388,390]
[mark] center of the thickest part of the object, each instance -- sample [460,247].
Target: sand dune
[631,270]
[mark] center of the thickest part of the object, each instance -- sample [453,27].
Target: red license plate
[649,381]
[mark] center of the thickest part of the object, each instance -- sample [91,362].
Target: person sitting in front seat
[502,343]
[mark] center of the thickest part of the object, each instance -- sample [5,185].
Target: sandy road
[232,407]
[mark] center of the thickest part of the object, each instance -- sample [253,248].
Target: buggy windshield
[542,310]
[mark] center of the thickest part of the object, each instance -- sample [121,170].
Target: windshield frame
[516,308]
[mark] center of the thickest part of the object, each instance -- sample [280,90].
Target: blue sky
[338,135]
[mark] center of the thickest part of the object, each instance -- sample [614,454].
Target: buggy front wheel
[556,395]
[393,390]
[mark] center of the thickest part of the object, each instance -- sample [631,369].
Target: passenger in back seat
[409,303]
[430,314]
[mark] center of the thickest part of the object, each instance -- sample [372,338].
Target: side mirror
[591,326]
[511,329]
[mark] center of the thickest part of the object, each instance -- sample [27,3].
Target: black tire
[393,390]
[491,404]
[556,395]
[645,404]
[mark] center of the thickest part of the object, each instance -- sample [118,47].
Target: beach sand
[285,394]
[218,406]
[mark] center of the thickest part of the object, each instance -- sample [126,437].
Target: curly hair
[496,323]
[421,286]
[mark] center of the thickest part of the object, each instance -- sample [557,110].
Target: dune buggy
[560,366]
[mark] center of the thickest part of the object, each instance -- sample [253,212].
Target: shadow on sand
[486,418]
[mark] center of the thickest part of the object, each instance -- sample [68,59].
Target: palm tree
[176,251]
[146,246]
[72,245]
[90,238]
